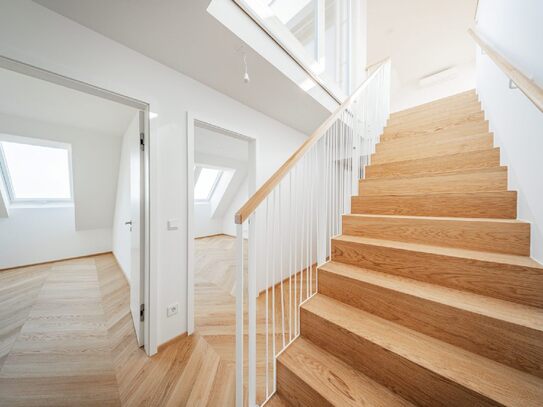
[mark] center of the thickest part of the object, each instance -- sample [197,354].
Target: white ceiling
[182,35]
[36,99]
[422,37]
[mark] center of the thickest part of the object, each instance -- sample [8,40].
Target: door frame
[150,332]
[201,120]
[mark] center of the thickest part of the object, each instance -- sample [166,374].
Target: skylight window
[35,172]
[206,183]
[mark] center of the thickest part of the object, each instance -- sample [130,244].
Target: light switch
[174,224]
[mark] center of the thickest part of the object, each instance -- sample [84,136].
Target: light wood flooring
[67,338]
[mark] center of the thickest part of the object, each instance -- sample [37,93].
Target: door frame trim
[150,295]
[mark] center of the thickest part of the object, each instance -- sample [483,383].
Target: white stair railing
[289,223]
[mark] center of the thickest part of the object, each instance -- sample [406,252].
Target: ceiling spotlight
[246,78]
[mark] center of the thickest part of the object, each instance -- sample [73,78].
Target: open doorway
[222,175]
[74,209]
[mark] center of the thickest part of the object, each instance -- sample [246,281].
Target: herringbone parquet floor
[67,338]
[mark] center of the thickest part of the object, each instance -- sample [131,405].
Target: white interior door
[137,213]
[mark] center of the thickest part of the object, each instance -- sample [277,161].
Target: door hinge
[142,312]
[142,141]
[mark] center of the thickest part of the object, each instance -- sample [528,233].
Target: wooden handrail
[258,197]
[531,89]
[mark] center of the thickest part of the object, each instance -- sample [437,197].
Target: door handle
[128,223]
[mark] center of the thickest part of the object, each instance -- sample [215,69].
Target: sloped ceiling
[217,149]
[182,35]
[421,37]
[36,99]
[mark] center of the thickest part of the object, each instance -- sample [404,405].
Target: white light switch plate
[172,309]
[173,224]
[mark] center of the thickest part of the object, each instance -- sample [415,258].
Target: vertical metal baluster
[273,256]
[281,243]
[266,259]
[251,283]
[295,225]
[289,231]
[239,315]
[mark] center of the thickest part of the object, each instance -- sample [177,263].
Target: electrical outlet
[172,309]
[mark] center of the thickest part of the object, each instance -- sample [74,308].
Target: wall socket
[172,309]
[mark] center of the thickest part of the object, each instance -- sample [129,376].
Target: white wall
[515,30]
[35,35]
[412,94]
[122,238]
[45,234]
[228,225]
[36,235]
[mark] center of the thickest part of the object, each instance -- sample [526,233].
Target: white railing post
[357,150]
[239,315]
[251,300]
[321,208]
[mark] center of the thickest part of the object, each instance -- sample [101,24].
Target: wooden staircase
[430,297]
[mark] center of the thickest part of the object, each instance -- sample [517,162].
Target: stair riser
[487,158]
[507,343]
[429,140]
[459,129]
[434,125]
[452,113]
[477,181]
[409,380]
[438,147]
[295,391]
[446,103]
[501,205]
[504,281]
[499,237]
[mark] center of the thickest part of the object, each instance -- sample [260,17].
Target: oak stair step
[505,276]
[425,146]
[468,128]
[307,375]
[419,368]
[509,236]
[471,160]
[459,99]
[451,115]
[437,125]
[495,204]
[480,180]
[506,332]
[447,111]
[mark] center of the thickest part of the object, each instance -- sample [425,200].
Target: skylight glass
[206,182]
[36,172]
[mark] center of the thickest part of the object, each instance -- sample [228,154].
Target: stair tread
[469,95]
[510,259]
[440,218]
[438,174]
[519,314]
[333,379]
[484,376]
[476,159]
